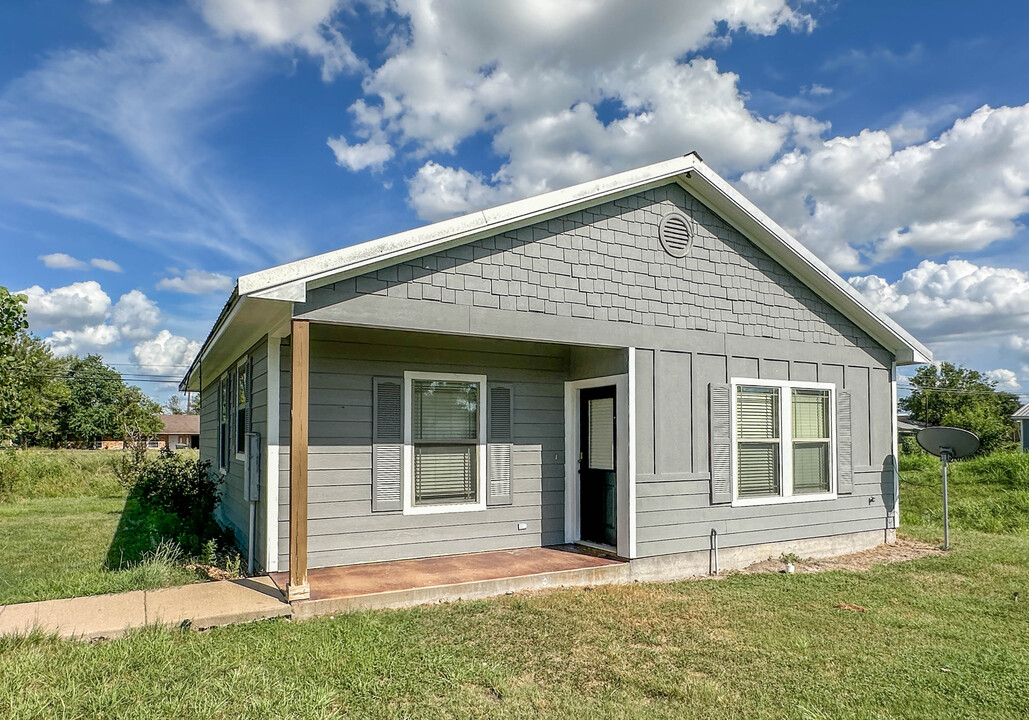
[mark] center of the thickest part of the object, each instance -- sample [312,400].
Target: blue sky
[152,152]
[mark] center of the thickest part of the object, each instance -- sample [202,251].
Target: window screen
[445,437]
[242,401]
[757,434]
[810,441]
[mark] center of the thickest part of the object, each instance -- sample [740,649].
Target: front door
[597,462]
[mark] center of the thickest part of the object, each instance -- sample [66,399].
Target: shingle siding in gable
[606,263]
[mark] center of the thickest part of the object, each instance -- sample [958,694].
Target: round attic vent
[676,234]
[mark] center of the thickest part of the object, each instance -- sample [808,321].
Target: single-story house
[1021,417]
[177,432]
[645,364]
[907,426]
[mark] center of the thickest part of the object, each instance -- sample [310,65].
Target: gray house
[645,364]
[1021,416]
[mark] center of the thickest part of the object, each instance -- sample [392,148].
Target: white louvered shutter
[387,444]
[721,443]
[500,445]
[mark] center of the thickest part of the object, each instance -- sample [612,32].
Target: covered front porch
[357,532]
[403,583]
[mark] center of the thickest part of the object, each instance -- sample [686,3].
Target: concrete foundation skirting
[693,564]
[604,575]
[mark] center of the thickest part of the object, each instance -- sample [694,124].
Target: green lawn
[63,547]
[941,637]
[67,529]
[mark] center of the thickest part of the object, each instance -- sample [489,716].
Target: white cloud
[307,25]
[85,340]
[566,91]
[66,308]
[135,315]
[108,265]
[81,317]
[371,154]
[62,261]
[816,90]
[165,354]
[939,301]
[1005,379]
[859,200]
[196,282]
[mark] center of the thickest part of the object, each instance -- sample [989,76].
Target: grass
[988,493]
[941,637]
[67,528]
[41,473]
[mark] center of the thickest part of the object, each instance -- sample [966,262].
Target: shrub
[184,488]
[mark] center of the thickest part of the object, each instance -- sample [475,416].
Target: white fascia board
[285,281]
[808,267]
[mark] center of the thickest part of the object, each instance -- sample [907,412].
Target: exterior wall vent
[676,234]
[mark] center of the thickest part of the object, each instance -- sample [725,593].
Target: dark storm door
[597,463]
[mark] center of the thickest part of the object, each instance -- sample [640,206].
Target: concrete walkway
[202,605]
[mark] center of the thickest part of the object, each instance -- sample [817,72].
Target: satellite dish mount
[947,443]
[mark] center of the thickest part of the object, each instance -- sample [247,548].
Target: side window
[223,422]
[242,405]
[784,442]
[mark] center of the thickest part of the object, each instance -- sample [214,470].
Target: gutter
[228,309]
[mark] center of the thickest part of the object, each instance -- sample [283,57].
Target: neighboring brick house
[642,363]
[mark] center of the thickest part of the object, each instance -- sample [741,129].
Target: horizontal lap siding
[673,491]
[342,529]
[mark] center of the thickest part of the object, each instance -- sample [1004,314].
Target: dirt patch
[212,572]
[903,549]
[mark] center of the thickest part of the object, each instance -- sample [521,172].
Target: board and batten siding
[673,491]
[233,511]
[342,528]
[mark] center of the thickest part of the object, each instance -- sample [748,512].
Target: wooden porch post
[298,588]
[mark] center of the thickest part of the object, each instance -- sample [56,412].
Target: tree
[174,407]
[43,392]
[948,394]
[13,323]
[95,399]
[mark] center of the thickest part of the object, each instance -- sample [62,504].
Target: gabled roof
[290,282]
[1022,413]
[180,424]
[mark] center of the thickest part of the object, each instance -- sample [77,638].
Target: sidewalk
[203,605]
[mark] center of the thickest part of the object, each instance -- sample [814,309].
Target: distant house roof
[907,426]
[1022,413]
[180,425]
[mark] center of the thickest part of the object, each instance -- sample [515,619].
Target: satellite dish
[947,443]
[954,442]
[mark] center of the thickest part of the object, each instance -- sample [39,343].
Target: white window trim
[235,409]
[785,444]
[480,454]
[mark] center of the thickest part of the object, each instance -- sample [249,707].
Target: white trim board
[271,457]
[625,439]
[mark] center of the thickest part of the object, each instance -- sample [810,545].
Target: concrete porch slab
[405,583]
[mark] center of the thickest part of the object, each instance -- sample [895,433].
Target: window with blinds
[223,422]
[810,441]
[758,443]
[783,441]
[242,401]
[445,439]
